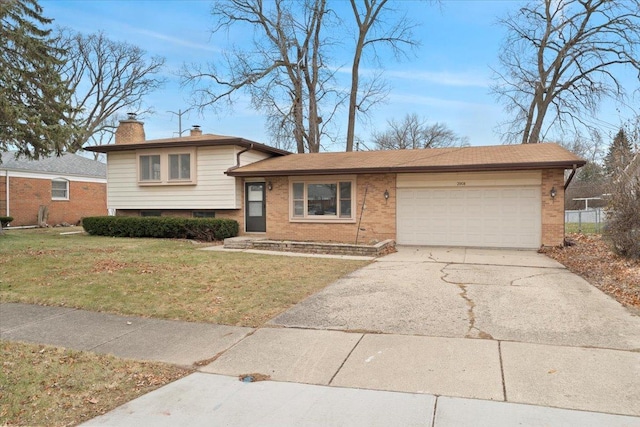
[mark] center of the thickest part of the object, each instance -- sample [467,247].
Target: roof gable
[65,164]
[487,158]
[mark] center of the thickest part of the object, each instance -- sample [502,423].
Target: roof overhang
[415,169]
[218,142]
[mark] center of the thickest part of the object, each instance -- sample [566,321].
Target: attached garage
[507,196]
[500,210]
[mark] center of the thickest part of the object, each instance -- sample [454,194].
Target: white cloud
[177,40]
[443,78]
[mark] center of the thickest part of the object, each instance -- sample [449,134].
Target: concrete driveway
[504,295]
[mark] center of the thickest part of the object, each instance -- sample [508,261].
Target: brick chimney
[196,131]
[130,131]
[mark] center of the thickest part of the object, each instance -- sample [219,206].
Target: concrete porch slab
[571,377]
[297,355]
[448,366]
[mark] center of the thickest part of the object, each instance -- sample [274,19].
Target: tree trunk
[353,96]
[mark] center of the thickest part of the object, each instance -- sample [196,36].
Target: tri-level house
[494,196]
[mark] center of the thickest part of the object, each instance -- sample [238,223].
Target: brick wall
[378,218]
[26,195]
[552,208]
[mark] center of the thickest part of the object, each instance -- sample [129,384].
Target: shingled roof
[460,159]
[205,140]
[65,164]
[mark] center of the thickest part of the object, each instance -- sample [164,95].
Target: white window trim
[164,167]
[66,181]
[329,179]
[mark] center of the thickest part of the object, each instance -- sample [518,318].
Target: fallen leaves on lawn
[592,258]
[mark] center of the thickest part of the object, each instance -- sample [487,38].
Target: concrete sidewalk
[321,377]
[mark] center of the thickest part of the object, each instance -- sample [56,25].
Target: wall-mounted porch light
[269,186]
[386,194]
[553,192]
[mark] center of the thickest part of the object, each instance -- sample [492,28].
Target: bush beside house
[207,229]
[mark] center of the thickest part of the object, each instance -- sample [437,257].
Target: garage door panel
[482,217]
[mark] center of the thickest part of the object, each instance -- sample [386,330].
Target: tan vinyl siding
[246,158]
[214,189]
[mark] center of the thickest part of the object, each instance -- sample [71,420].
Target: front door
[255,207]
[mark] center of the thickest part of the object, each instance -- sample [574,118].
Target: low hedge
[207,229]
[5,220]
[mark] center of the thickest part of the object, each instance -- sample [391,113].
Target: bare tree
[284,70]
[559,61]
[373,32]
[413,133]
[105,77]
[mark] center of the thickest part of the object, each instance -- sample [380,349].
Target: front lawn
[50,386]
[159,278]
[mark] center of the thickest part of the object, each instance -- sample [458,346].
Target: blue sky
[446,81]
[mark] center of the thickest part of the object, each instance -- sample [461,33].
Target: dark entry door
[256,218]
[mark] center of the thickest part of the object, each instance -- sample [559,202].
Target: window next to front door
[255,207]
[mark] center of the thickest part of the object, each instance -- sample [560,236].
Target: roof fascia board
[416,169]
[198,143]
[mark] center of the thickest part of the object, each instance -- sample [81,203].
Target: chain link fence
[584,221]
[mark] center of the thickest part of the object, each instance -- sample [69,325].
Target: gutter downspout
[250,147]
[573,172]
[244,150]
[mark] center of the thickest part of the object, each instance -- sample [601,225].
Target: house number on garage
[461,183]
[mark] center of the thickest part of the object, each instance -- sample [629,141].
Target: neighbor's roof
[65,164]
[461,159]
[205,140]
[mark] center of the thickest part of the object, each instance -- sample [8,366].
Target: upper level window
[179,167]
[322,200]
[150,168]
[60,189]
[174,166]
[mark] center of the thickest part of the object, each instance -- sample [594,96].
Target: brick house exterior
[500,196]
[70,187]
[536,170]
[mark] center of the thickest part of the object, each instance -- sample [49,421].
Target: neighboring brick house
[69,186]
[500,196]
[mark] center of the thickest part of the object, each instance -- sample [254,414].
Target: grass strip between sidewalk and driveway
[50,386]
[159,278]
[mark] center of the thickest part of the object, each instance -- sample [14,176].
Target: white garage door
[503,217]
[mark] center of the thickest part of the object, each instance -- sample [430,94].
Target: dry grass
[50,386]
[168,279]
[147,277]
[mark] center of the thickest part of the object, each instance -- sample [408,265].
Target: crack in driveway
[471,305]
